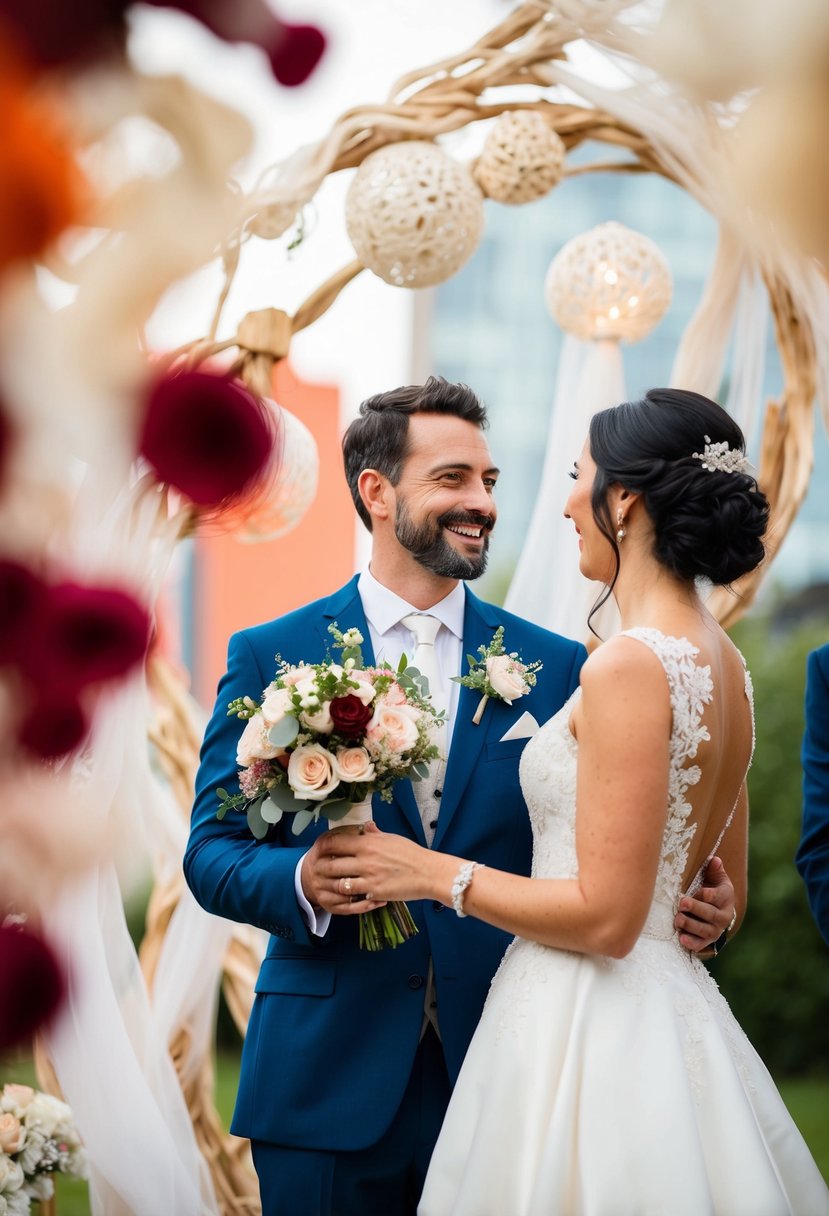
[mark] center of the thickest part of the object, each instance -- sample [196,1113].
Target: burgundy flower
[90,634]
[6,441]
[54,32]
[349,715]
[33,985]
[205,435]
[22,599]
[53,728]
[294,52]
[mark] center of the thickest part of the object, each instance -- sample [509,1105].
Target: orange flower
[40,182]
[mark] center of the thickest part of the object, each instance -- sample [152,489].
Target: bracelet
[718,945]
[462,880]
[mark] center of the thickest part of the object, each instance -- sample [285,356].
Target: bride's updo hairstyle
[707,523]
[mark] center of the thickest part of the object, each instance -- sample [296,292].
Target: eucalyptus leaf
[301,821]
[223,794]
[420,771]
[336,809]
[284,732]
[258,826]
[271,811]
[283,796]
[222,811]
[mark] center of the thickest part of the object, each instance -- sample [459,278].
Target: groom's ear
[374,491]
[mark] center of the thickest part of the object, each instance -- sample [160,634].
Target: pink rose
[311,773]
[12,1134]
[315,713]
[507,677]
[292,677]
[353,764]
[393,727]
[394,695]
[18,1096]
[254,743]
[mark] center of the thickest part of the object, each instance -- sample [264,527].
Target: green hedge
[775,974]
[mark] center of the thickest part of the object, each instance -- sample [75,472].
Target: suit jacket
[333,1030]
[812,856]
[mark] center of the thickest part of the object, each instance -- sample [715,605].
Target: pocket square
[524,728]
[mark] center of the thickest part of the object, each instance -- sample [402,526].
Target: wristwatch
[723,938]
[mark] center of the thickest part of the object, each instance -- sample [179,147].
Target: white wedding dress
[603,1087]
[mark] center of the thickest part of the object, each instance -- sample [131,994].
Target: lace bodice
[548,780]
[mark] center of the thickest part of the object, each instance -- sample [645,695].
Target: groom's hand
[703,918]
[316,885]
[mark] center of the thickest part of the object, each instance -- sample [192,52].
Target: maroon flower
[33,985]
[205,435]
[53,728]
[6,441]
[294,52]
[349,715]
[22,599]
[90,634]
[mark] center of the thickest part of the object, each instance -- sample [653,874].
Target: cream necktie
[427,792]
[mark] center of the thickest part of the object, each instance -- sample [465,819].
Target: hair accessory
[721,457]
[620,522]
[462,880]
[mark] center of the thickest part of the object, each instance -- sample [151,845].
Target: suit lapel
[479,623]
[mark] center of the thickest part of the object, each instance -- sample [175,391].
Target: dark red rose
[205,435]
[349,715]
[294,52]
[23,597]
[33,985]
[90,634]
[53,728]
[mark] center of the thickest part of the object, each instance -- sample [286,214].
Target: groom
[350,1056]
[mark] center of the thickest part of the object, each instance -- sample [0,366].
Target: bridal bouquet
[38,1138]
[321,740]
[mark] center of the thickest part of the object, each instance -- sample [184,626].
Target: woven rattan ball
[293,483]
[609,282]
[522,159]
[414,215]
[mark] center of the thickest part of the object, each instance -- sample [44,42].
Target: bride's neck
[647,594]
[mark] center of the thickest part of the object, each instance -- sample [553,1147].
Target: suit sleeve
[230,873]
[812,857]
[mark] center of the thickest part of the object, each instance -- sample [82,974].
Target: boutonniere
[497,674]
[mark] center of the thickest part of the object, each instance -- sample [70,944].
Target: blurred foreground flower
[206,436]
[33,984]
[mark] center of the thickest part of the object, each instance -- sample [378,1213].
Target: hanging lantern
[609,282]
[522,158]
[292,486]
[414,215]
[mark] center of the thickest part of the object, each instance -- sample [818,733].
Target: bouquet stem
[392,924]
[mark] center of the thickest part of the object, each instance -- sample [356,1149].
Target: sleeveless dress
[596,1086]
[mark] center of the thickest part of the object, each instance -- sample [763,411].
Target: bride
[607,1075]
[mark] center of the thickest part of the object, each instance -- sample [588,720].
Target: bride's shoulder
[620,664]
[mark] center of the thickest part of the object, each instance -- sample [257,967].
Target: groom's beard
[427,542]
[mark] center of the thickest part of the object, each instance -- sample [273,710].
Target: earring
[620,520]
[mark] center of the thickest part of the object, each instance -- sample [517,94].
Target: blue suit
[334,1030]
[812,857]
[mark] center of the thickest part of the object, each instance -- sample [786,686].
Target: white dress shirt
[384,610]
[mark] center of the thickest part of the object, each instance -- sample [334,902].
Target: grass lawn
[806,1098]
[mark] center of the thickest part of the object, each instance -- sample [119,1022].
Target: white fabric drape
[547,587]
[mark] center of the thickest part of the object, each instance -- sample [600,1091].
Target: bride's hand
[703,918]
[377,866]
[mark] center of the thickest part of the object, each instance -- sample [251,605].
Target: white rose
[319,718]
[32,1150]
[11,1174]
[293,677]
[16,1097]
[276,705]
[353,764]
[365,690]
[47,1113]
[311,773]
[393,727]
[507,677]
[254,743]
[18,1203]
[353,637]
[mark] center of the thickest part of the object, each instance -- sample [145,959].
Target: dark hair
[379,437]
[707,523]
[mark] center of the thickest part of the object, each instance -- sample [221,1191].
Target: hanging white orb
[609,282]
[414,215]
[292,487]
[521,160]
